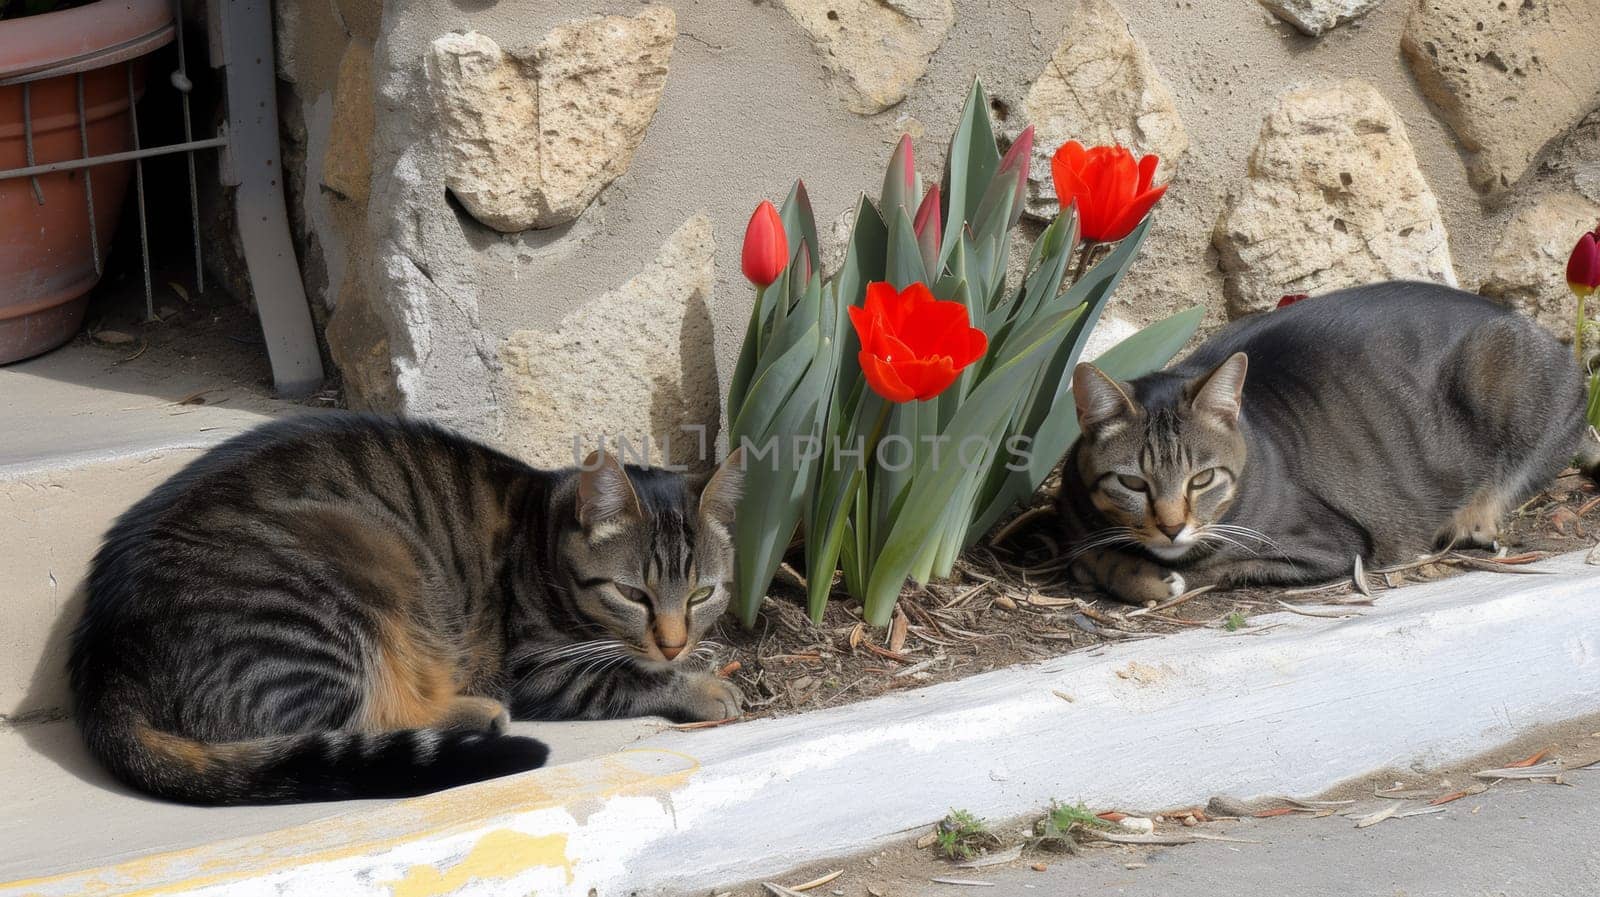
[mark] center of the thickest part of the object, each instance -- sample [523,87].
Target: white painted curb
[1434,673]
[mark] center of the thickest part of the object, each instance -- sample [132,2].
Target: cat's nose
[1170,531]
[671,652]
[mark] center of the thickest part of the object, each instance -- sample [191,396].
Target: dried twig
[1168,605]
[1328,614]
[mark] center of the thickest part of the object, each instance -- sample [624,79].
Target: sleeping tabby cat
[1377,422]
[345,606]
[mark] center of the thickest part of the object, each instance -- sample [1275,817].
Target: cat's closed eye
[1133,484]
[700,594]
[1203,479]
[639,596]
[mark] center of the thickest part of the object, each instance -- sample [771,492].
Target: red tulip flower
[912,345]
[766,247]
[1112,189]
[1583,266]
[1291,298]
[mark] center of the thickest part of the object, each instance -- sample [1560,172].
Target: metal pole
[88,176]
[109,158]
[138,176]
[27,138]
[180,80]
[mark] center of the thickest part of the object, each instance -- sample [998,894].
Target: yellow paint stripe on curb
[369,833]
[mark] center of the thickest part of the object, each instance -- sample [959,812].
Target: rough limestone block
[1508,76]
[1313,17]
[359,343]
[1529,265]
[532,136]
[347,164]
[874,49]
[637,362]
[1333,198]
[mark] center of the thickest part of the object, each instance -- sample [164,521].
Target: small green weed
[1059,828]
[1234,623]
[962,836]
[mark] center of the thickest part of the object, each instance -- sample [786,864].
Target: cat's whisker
[599,664]
[1211,538]
[1246,533]
[571,655]
[1115,535]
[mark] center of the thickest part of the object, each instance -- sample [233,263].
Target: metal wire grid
[180,81]
[240,44]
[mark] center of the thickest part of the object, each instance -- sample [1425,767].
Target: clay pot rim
[60,41]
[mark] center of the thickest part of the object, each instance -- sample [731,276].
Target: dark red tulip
[1583,266]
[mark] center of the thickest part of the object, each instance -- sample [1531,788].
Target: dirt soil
[1011,603]
[1538,758]
[198,337]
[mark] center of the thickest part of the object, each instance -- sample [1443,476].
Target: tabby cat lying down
[345,607]
[1376,422]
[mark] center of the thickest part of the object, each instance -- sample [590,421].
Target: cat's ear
[1221,392]
[1101,400]
[605,495]
[720,498]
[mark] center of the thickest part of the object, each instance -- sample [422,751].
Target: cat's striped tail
[311,766]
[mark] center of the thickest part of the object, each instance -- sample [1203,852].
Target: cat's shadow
[57,740]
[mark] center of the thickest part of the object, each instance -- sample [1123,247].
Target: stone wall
[525,215]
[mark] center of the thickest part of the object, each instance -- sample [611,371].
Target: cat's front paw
[708,699]
[1175,584]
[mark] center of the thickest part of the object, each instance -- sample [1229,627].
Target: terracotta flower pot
[46,253]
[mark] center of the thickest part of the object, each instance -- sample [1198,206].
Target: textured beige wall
[748,105]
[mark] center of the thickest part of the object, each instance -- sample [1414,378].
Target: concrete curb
[1294,704]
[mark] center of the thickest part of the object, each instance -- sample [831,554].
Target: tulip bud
[766,247]
[929,232]
[1016,162]
[799,273]
[900,183]
[1583,266]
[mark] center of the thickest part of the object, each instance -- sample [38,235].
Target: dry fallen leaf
[1381,815]
[1550,769]
[1161,838]
[857,634]
[1275,811]
[728,670]
[993,859]
[1564,520]
[962,881]
[113,337]
[1529,760]
[818,882]
[897,632]
[1038,867]
[927,841]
